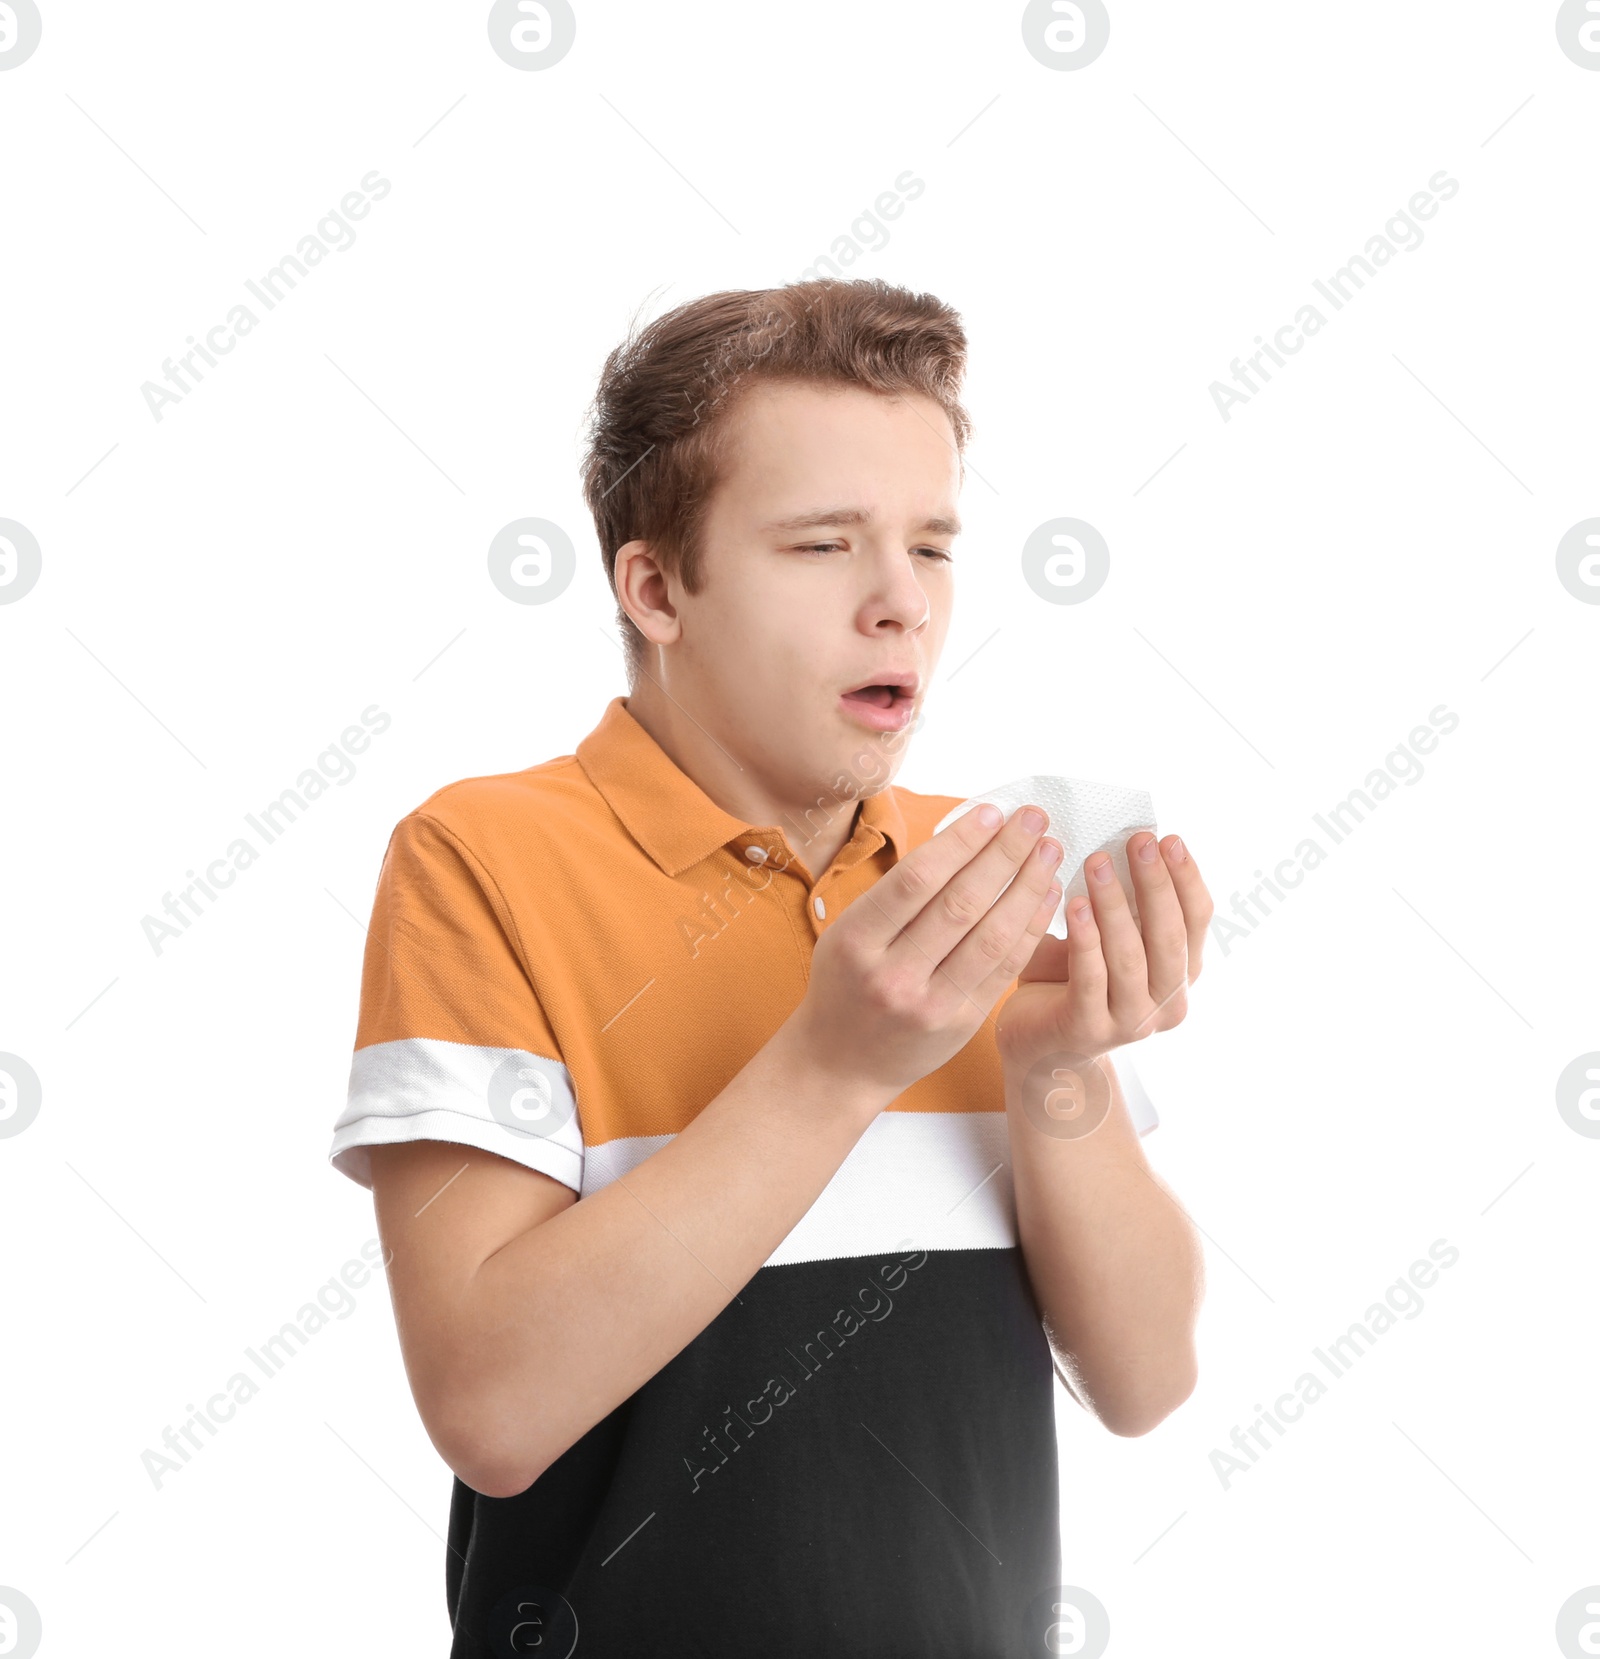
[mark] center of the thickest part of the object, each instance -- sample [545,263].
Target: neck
[816,833]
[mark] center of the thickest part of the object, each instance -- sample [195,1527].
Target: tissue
[1085,818]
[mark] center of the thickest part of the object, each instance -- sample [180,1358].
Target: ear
[642,592]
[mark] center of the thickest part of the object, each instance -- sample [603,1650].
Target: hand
[910,970]
[1112,980]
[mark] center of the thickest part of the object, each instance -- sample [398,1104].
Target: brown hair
[654,453]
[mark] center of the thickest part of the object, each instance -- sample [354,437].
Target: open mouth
[880,696]
[882,706]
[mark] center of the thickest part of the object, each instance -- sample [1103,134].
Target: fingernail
[1175,852]
[1049,853]
[1102,871]
[989,816]
[1033,820]
[1147,853]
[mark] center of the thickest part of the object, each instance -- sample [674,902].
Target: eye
[821,549]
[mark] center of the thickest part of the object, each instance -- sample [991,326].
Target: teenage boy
[746,1151]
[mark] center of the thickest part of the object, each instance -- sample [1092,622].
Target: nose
[900,597]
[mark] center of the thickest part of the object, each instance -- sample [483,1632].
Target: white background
[1292,590]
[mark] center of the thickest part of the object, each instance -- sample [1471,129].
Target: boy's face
[825,558]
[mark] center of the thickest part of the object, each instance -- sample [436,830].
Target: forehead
[787,438]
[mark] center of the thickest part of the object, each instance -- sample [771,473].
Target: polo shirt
[857,1456]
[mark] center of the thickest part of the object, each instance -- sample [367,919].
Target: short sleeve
[451,1042]
[1140,1106]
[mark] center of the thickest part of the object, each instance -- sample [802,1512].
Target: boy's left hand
[1112,980]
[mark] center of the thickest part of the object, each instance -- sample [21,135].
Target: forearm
[571,1317]
[1114,1261]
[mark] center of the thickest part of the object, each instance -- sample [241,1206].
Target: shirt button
[756,855]
[818,906]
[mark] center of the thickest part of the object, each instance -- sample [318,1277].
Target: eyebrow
[822,516]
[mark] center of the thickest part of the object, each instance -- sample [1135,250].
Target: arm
[525,1316]
[1112,1255]
[1113,1259]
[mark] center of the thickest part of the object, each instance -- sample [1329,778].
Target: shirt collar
[668,813]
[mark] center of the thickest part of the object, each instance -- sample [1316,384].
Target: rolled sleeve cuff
[499,1100]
